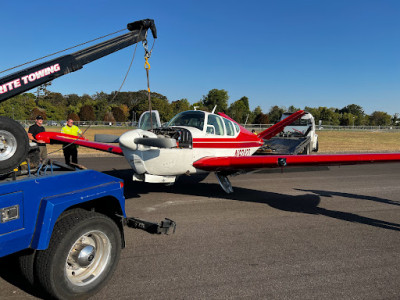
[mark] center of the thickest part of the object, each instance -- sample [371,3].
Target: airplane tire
[14,145]
[83,253]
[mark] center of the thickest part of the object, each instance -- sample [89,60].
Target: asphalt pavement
[307,233]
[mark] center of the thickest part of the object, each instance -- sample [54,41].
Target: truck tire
[14,145]
[83,253]
[26,265]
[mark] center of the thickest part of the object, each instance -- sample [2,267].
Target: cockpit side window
[215,122]
[237,127]
[230,130]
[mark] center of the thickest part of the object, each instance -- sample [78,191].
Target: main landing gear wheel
[14,145]
[82,255]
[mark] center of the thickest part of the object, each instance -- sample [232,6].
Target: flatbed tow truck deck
[68,227]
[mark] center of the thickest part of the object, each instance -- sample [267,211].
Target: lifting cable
[147,55]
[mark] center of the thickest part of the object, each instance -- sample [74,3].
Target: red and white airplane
[196,142]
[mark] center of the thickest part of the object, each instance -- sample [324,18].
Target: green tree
[198,105]
[293,109]
[253,115]
[239,110]
[179,106]
[162,105]
[53,112]
[217,98]
[380,118]
[101,107]
[275,113]
[354,109]
[347,119]
[262,119]
[18,107]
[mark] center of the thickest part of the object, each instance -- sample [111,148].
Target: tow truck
[297,138]
[66,225]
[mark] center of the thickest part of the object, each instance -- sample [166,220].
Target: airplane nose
[127,139]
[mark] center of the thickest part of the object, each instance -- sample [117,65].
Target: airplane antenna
[214,109]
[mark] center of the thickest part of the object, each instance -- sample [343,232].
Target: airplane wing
[62,138]
[239,163]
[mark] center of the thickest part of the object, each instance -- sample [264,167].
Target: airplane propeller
[146,141]
[156,142]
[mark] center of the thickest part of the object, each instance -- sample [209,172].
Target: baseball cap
[39,118]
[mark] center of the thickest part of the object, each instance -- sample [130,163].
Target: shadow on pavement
[9,271]
[307,203]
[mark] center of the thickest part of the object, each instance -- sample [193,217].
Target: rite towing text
[29,78]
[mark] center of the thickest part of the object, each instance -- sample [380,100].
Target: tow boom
[14,144]
[22,81]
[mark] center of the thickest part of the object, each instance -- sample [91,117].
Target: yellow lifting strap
[146,63]
[147,67]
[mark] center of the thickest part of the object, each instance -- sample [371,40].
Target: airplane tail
[278,127]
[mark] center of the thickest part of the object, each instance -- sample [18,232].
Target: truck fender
[52,207]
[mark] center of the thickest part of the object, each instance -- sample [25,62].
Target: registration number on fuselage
[242,152]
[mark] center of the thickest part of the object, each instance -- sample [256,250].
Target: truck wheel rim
[88,258]
[8,145]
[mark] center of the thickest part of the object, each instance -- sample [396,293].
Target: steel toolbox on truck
[66,228]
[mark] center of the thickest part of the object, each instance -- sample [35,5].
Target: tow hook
[159,228]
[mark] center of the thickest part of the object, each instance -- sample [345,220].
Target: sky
[275,52]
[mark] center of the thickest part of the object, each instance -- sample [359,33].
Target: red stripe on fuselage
[214,144]
[243,140]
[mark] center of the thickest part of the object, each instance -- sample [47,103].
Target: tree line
[127,106]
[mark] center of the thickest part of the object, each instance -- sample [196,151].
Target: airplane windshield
[189,118]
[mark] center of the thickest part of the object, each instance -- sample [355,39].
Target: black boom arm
[24,80]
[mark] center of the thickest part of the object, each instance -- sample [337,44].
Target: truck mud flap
[155,228]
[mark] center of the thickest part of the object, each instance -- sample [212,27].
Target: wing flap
[54,137]
[274,161]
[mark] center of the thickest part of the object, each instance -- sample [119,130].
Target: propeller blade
[156,142]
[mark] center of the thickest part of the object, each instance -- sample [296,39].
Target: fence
[261,127]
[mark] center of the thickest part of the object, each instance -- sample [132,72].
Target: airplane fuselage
[213,136]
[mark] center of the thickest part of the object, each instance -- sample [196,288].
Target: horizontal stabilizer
[106,138]
[278,127]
